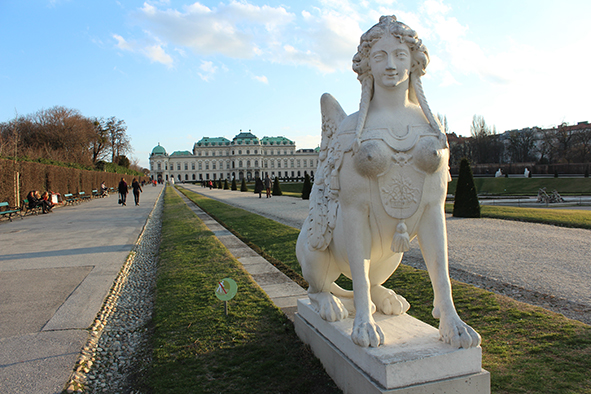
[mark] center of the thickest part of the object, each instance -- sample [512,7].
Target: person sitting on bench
[46,201]
[36,201]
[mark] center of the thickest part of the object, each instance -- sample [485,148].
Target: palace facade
[244,157]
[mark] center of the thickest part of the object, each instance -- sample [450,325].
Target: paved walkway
[55,272]
[540,259]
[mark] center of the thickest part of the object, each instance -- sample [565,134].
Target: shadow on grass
[526,349]
[196,347]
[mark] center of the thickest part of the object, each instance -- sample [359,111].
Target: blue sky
[177,71]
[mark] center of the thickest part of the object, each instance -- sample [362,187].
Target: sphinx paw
[389,303]
[329,307]
[367,333]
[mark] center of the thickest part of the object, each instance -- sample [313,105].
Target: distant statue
[526,173]
[381,181]
[499,173]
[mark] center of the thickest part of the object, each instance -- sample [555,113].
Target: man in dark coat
[122,191]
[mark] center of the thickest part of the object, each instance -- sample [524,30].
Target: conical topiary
[243,187]
[226,187]
[466,203]
[219,184]
[307,188]
[234,184]
[276,188]
[587,172]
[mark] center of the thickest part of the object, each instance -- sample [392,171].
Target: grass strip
[526,349]
[557,217]
[196,347]
[527,186]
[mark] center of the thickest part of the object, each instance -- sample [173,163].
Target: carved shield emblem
[401,187]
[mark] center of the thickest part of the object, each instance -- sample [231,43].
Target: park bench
[83,196]
[95,193]
[70,199]
[6,209]
[28,210]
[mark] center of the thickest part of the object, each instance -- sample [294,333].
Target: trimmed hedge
[57,179]
[466,203]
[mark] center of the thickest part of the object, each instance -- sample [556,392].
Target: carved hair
[419,56]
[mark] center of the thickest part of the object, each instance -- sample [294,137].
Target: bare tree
[486,146]
[118,139]
[522,145]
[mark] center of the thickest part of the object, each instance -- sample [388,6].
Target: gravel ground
[542,265]
[117,349]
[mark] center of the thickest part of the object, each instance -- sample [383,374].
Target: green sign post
[225,291]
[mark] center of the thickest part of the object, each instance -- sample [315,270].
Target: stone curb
[281,290]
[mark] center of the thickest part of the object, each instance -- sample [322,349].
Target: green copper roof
[159,150]
[245,138]
[276,141]
[219,141]
[181,153]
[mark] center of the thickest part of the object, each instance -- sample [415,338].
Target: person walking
[268,185]
[137,189]
[122,191]
[258,186]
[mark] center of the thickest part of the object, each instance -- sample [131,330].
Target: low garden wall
[45,177]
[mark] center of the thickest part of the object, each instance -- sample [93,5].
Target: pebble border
[118,338]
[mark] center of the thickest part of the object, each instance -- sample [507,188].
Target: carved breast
[428,154]
[372,158]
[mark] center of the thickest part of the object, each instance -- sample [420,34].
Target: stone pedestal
[411,361]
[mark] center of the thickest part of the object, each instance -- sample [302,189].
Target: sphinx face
[390,62]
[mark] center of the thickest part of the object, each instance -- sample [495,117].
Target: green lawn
[556,217]
[526,349]
[527,186]
[196,347]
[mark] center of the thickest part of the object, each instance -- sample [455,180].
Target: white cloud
[207,70]
[122,44]
[321,38]
[154,52]
[262,79]
[157,54]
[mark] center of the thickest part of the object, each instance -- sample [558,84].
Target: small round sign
[226,289]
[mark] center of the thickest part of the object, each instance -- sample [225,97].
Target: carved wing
[324,196]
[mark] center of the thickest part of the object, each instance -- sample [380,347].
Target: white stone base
[411,361]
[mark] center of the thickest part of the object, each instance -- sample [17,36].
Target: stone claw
[457,333]
[329,307]
[367,333]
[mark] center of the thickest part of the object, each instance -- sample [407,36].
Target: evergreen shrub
[276,188]
[466,200]
[234,184]
[243,187]
[307,188]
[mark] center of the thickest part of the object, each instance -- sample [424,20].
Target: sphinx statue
[381,181]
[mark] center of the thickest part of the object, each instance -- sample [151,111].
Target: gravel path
[117,350]
[539,264]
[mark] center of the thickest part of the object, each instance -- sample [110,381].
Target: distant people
[526,173]
[268,185]
[35,201]
[258,186]
[46,201]
[104,190]
[137,189]
[499,173]
[210,184]
[122,189]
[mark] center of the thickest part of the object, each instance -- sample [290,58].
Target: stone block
[411,361]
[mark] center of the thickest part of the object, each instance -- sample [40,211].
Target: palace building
[246,156]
